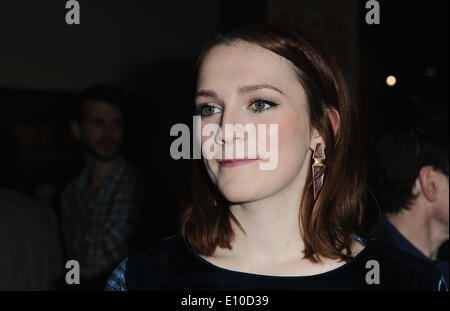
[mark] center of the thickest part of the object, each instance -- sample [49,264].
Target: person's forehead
[243,63]
[101,108]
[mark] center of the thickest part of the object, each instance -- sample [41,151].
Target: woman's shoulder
[392,269]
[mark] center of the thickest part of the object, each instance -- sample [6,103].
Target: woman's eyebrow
[241,90]
[206,93]
[254,87]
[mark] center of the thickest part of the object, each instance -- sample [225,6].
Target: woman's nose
[231,128]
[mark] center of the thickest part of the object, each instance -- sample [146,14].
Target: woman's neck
[271,225]
[271,234]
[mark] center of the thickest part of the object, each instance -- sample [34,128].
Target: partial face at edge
[226,94]
[442,200]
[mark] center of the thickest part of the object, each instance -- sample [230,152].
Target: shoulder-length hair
[328,224]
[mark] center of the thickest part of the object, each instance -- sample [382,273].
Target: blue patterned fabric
[116,282]
[442,287]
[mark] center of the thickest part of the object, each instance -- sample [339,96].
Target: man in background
[30,252]
[101,205]
[409,175]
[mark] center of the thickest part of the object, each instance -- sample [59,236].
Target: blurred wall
[147,47]
[335,22]
[114,39]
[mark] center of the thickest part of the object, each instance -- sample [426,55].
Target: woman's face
[244,84]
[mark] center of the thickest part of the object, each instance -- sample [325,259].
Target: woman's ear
[335,120]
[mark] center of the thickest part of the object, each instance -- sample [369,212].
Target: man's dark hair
[397,157]
[100,92]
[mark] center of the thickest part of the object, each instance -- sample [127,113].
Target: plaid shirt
[96,225]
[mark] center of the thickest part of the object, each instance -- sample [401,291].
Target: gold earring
[318,169]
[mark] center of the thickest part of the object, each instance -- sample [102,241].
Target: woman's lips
[236,162]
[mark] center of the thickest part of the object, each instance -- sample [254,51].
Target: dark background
[149,48]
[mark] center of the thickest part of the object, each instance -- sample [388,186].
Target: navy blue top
[401,242]
[174,265]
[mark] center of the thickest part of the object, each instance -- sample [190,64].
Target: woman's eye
[207,110]
[261,105]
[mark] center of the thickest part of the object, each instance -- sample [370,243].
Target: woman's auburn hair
[328,224]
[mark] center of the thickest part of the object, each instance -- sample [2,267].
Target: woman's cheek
[293,141]
[207,147]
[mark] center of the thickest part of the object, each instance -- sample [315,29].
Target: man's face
[101,130]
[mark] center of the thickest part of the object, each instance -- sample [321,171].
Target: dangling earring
[318,169]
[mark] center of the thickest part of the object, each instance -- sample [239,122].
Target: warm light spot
[391,80]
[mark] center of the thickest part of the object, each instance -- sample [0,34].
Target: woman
[297,225]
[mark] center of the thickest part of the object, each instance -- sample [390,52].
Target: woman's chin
[240,193]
